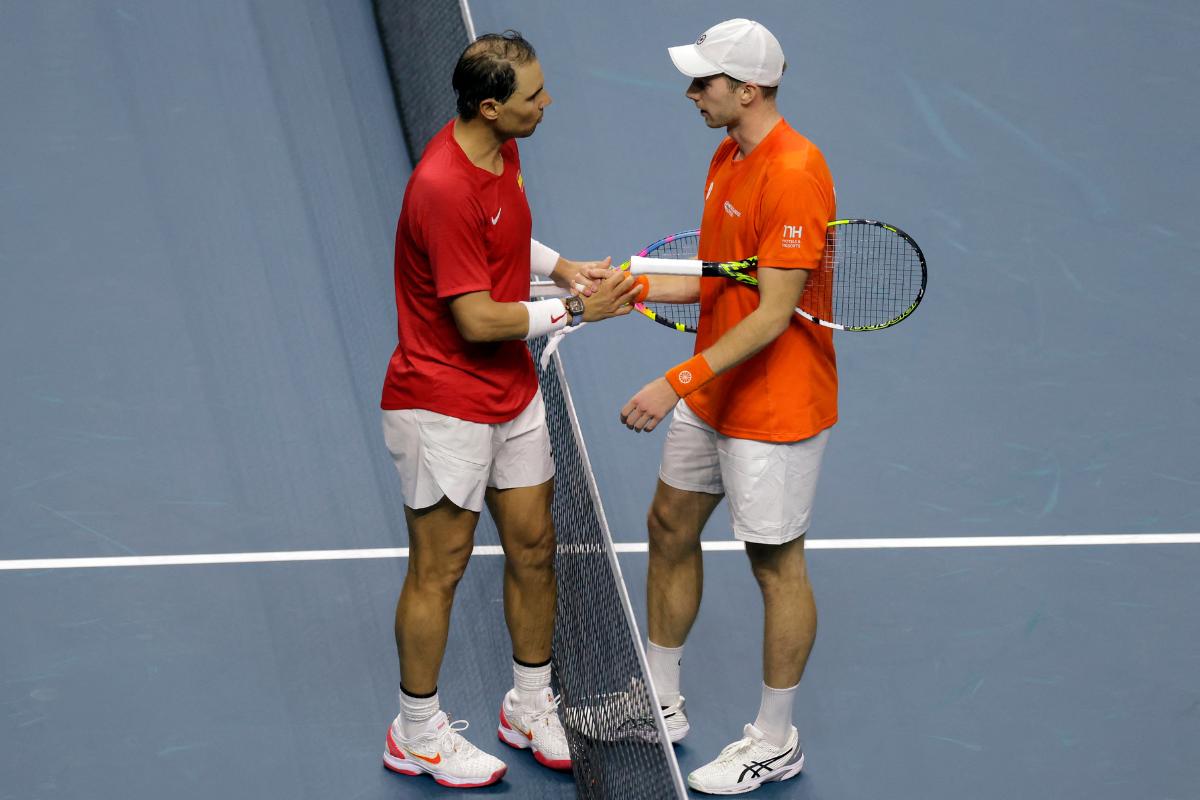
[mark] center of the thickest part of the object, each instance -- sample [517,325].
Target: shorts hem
[760,537]
[520,484]
[684,486]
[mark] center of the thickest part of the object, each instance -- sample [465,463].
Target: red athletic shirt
[461,229]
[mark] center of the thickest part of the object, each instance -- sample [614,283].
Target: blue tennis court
[196,236]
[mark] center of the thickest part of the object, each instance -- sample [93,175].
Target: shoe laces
[738,749]
[547,715]
[452,736]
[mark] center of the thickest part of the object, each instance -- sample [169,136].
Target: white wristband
[542,259]
[545,316]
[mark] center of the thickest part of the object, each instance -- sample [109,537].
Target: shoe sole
[514,738]
[407,766]
[782,775]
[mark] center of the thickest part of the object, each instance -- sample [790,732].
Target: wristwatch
[574,305]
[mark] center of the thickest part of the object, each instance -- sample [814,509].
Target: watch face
[574,304]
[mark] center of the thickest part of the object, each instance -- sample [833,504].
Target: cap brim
[688,60]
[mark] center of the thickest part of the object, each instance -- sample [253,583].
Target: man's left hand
[650,406]
[580,277]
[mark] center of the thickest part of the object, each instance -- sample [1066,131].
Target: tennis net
[619,747]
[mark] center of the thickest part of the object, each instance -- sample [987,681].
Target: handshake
[606,292]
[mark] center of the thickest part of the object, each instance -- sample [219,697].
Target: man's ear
[489,109]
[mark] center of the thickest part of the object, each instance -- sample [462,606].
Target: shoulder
[441,179]
[795,151]
[795,159]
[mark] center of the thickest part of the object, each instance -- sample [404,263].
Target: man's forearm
[746,339]
[673,289]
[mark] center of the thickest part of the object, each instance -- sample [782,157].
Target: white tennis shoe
[442,753]
[677,722]
[749,763]
[535,728]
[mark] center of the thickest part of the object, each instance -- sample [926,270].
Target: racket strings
[870,276]
[684,245]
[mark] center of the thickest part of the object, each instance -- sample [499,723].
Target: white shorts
[437,455]
[769,485]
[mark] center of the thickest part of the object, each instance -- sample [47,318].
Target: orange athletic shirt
[775,204]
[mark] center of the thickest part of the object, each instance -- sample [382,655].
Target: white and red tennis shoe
[443,753]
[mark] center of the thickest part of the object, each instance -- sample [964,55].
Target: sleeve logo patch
[792,235]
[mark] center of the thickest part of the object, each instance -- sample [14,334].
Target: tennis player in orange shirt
[759,396]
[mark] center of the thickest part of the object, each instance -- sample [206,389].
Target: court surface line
[621,547]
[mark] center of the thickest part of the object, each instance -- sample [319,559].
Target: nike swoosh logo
[496,218]
[556,319]
[437,760]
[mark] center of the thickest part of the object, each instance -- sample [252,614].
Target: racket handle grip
[643,265]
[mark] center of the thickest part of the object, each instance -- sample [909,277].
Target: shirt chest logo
[496,218]
[730,210]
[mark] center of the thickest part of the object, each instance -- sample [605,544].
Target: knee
[775,573]
[439,573]
[669,539]
[536,551]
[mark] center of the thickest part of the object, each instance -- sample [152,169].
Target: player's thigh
[771,486]
[689,481]
[690,461]
[522,516]
[678,516]
[521,449]
[521,483]
[438,456]
[440,540]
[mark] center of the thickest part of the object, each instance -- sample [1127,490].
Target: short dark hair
[767,91]
[485,70]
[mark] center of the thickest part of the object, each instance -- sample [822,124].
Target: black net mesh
[617,747]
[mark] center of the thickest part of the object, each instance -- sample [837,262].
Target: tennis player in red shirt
[758,397]
[462,413]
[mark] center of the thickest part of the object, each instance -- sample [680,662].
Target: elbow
[775,324]
[473,332]
[470,328]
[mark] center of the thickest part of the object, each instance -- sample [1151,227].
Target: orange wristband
[689,376]
[643,284]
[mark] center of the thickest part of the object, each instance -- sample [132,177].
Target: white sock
[531,683]
[775,714]
[415,713]
[665,666]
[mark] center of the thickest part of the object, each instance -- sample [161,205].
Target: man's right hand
[614,298]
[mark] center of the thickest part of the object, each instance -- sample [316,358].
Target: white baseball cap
[740,48]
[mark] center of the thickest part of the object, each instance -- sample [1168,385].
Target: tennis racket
[872,277]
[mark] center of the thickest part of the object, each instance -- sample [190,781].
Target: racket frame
[737,270]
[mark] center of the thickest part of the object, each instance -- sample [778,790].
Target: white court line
[621,547]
